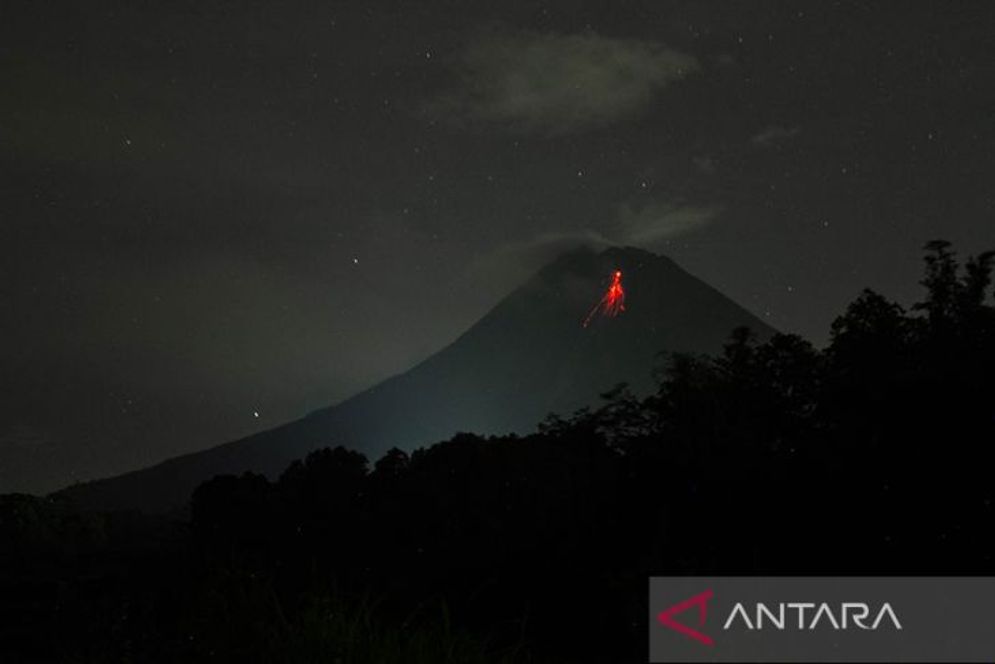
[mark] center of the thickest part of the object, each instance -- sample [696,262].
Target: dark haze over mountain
[528,357]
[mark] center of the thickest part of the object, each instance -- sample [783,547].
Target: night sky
[218,216]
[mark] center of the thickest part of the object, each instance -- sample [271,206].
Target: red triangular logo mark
[666,617]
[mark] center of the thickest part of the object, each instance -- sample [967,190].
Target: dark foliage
[867,457]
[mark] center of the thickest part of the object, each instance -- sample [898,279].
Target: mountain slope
[527,357]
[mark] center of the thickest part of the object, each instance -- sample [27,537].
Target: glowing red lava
[612,302]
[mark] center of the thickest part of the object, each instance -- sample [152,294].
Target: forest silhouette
[869,456]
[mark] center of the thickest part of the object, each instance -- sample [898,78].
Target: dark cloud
[560,83]
[645,224]
[773,135]
[704,163]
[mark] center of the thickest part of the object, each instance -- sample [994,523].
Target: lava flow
[612,303]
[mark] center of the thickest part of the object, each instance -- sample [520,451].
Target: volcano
[531,355]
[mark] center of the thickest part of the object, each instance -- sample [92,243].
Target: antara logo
[666,617]
[849,614]
[787,615]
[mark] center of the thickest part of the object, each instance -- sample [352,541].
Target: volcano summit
[529,356]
